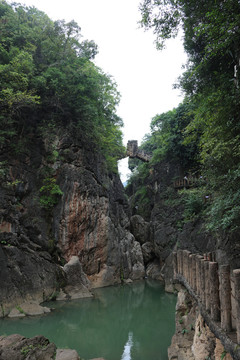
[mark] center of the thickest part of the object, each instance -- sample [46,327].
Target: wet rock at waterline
[67,354]
[17,347]
[77,283]
[30,309]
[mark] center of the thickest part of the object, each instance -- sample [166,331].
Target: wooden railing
[185,182]
[217,291]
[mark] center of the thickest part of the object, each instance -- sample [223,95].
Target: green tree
[47,76]
[211,84]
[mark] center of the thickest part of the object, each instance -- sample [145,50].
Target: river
[125,322]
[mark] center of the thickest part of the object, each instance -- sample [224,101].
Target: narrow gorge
[68,225]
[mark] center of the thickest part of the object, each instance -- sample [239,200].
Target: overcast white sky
[144,75]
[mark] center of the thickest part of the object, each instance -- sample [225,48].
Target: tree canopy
[47,76]
[211,86]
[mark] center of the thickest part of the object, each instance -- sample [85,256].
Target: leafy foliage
[139,191]
[168,135]
[47,76]
[194,202]
[211,84]
[50,193]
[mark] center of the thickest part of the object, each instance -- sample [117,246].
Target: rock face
[92,219]
[26,274]
[193,339]
[17,347]
[140,229]
[89,221]
[182,340]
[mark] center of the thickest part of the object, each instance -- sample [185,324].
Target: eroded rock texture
[90,220]
[17,347]
[193,340]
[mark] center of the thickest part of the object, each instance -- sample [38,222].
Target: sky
[144,75]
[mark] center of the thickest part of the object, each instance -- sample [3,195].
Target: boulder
[148,252]
[153,270]
[67,354]
[16,313]
[74,273]
[140,229]
[78,284]
[28,308]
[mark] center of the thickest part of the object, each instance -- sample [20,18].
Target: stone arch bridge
[134,152]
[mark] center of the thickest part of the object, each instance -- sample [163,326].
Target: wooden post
[209,256]
[207,286]
[214,291]
[198,273]
[202,281]
[225,297]
[194,280]
[174,264]
[191,270]
[185,261]
[236,278]
[179,261]
[186,271]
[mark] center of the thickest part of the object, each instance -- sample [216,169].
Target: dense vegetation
[203,133]
[49,81]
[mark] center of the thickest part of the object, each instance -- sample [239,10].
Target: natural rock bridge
[134,152]
[216,290]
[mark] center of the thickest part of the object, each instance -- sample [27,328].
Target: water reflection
[127,348]
[130,322]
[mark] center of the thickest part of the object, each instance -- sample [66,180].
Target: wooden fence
[185,182]
[217,290]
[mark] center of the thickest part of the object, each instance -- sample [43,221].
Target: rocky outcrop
[193,340]
[182,340]
[78,286]
[17,347]
[92,219]
[140,229]
[89,221]
[28,309]
[27,272]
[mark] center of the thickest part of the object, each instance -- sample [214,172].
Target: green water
[129,322]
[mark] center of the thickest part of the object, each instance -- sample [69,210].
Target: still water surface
[125,322]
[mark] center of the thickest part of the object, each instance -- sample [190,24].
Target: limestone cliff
[86,215]
[176,219]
